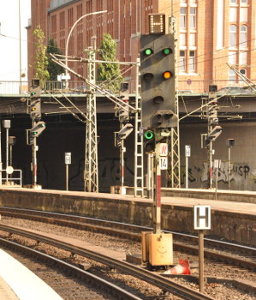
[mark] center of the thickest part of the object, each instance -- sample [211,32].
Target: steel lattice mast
[91,182]
[174,139]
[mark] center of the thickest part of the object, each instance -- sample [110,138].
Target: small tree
[109,72]
[53,68]
[41,59]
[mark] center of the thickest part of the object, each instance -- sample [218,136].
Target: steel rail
[134,233]
[154,279]
[126,226]
[97,281]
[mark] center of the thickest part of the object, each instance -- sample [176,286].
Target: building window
[233,1]
[62,20]
[192,21]
[243,58]
[54,23]
[233,14]
[244,14]
[192,39]
[232,58]
[244,1]
[70,17]
[99,5]
[183,39]
[183,16]
[193,2]
[182,62]
[243,36]
[192,62]
[231,75]
[232,35]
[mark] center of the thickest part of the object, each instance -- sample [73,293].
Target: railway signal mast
[126,129]
[158,118]
[34,109]
[214,129]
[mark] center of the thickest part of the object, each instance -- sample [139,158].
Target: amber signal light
[167,75]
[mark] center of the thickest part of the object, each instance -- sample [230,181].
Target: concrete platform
[231,220]
[212,194]
[18,283]
[6,293]
[220,205]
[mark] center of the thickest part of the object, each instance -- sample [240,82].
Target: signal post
[158,118]
[34,109]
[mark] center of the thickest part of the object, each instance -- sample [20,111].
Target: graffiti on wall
[239,173]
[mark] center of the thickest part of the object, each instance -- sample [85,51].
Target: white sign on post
[217,163]
[202,217]
[163,149]
[163,162]
[187,150]
[68,158]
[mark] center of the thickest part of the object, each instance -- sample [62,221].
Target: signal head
[167,74]
[158,100]
[148,76]
[149,135]
[148,51]
[167,51]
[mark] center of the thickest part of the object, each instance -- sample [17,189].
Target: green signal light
[34,132]
[148,51]
[149,135]
[167,51]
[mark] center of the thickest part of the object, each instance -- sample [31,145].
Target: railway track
[111,289]
[76,249]
[233,254]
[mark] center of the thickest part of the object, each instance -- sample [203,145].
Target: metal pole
[10,155]
[229,171]
[210,164]
[20,48]
[186,171]
[157,196]
[122,163]
[7,152]
[68,38]
[34,163]
[150,178]
[67,177]
[216,181]
[201,260]
[1,162]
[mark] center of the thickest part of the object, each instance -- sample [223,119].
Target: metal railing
[14,179]
[184,86]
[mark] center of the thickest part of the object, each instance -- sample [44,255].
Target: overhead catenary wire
[107,94]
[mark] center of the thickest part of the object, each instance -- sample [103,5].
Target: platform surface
[18,282]
[6,293]
[227,206]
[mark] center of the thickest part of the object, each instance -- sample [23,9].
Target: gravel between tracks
[212,269]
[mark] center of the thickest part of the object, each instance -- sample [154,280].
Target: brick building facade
[210,34]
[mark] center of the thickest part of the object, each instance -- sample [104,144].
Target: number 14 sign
[163,162]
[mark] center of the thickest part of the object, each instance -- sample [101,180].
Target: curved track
[154,279]
[230,253]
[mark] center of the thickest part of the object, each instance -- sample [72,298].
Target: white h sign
[202,217]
